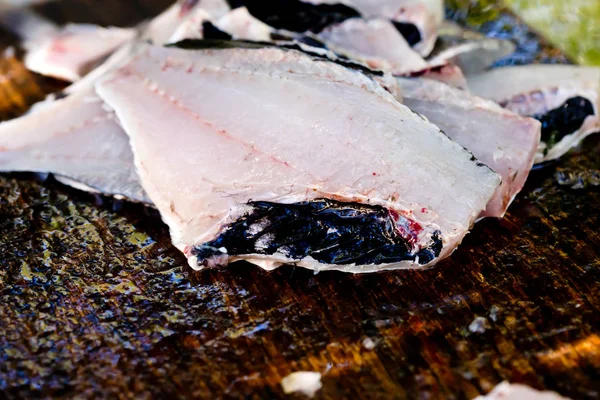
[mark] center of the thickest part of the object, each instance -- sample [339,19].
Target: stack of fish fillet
[352,135]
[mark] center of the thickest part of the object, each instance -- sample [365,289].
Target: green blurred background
[571,25]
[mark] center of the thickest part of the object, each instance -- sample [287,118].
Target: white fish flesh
[375,42]
[76,138]
[563,97]
[74,50]
[240,150]
[503,140]
[418,20]
[472,51]
[86,149]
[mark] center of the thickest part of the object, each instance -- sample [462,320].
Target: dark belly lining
[295,15]
[564,120]
[409,31]
[329,231]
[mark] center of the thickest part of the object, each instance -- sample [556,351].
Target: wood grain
[96,303]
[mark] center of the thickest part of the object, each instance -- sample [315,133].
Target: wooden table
[95,302]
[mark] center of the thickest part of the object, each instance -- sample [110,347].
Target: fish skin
[536,89]
[503,140]
[245,161]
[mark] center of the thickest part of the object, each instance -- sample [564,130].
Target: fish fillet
[75,138]
[503,140]
[418,20]
[375,42]
[274,156]
[563,97]
[74,50]
[87,149]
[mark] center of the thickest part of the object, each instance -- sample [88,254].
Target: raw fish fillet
[85,149]
[375,42]
[74,50]
[563,97]
[503,140]
[275,156]
[77,138]
[418,20]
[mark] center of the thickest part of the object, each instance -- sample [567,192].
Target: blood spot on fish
[329,231]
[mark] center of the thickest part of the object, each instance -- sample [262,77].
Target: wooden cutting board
[95,302]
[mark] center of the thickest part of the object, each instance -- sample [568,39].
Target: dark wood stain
[96,303]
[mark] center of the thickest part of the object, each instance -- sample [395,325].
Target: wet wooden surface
[95,302]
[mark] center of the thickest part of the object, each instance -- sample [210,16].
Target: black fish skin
[199,44]
[329,231]
[295,15]
[409,31]
[564,120]
[209,31]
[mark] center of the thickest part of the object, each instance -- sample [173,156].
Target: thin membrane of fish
[274,156]
[563,97]
[503,140]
